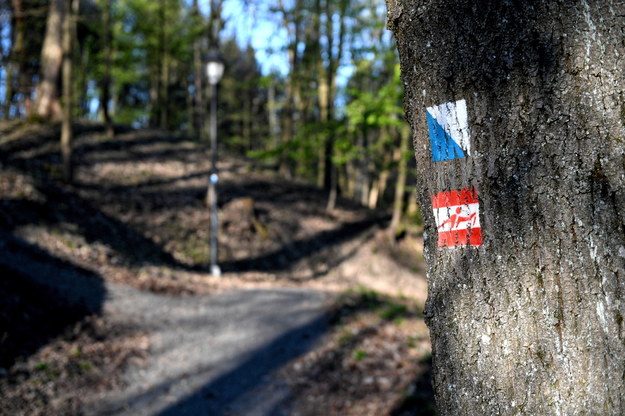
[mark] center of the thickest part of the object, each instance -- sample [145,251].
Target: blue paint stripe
[443,146]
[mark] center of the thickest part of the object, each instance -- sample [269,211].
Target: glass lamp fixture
[214,68]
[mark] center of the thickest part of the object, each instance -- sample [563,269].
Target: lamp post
[214,72]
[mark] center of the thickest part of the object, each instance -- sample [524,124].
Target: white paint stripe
[454,119]
[445,222]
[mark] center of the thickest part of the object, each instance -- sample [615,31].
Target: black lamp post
[214,72]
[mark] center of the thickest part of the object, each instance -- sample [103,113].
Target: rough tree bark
[531,321]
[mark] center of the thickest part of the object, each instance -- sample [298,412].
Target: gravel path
[213,355]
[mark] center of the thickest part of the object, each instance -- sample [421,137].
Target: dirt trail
[211,354]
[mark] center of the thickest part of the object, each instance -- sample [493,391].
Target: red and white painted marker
[457,215]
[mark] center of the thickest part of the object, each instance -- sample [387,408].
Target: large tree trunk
[530,322]
[48,103]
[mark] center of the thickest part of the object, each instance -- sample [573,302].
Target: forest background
[311,87]
[104,164]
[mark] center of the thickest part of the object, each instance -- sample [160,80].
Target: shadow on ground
[42,297]
[281,259]
[237,387]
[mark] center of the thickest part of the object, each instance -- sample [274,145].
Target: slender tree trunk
[163,94]
[25,73]
[215,23]
[335,52]
[272,114]
[48,104]
[412,210]
[198,101]
[68,99]
[246,127]
[400,185]
[105,98]
[16,50]
[154,97]
[81,94]
[378,189]
[374,193]
[351,175]
[291,90]
[18,65]
[526,307]
[322,91]
[9,91]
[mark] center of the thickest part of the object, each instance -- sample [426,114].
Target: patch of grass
[367,293]
[196,250]
[85,366]
[369,298]
[42,366]
[359,355]
[393,311]
[345,337]
[48,371]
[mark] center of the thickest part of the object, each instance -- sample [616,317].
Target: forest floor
[100,278]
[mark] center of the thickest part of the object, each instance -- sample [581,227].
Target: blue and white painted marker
[449,131]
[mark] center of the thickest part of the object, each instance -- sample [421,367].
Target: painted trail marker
[449,131]
[457,215]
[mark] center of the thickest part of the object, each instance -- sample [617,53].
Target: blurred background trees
[330,113]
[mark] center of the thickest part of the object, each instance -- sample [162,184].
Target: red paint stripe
[463,196]
[456,238]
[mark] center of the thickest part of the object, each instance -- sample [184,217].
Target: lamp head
[214,67]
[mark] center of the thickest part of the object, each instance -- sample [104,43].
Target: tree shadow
[420,400]
[143,156]
[217,396]
[65,209]
[149,183]
[42,297]
[283,258]
[36,155]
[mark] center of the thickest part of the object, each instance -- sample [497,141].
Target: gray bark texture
[531,321]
